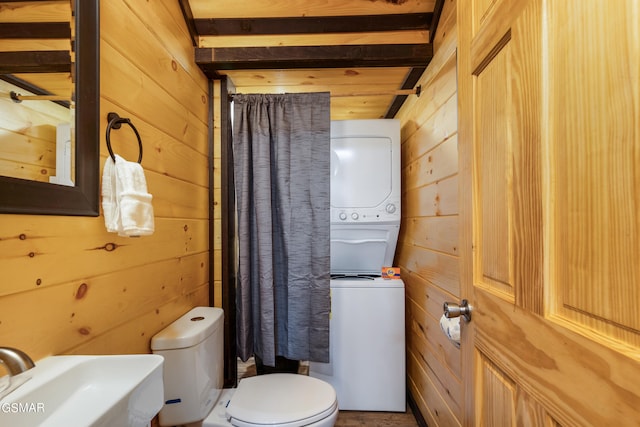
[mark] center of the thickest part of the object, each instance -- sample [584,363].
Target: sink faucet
[15,361]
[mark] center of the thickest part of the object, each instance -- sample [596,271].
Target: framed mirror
[81,196]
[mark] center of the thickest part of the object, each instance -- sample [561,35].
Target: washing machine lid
[289,400]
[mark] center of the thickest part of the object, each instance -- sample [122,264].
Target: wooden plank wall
[428,244]
[68,286]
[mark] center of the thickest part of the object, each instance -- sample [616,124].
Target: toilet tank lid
[189,330]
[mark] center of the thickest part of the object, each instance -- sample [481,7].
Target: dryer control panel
[390,212]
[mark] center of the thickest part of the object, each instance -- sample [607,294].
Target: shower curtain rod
[19,98]
[399,92]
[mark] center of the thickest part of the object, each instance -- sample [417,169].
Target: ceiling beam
[437,11]
[187,14]
[313,24]
[35,30]
[44,61]
[289,57]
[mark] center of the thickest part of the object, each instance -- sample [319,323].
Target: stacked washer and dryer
[367,336]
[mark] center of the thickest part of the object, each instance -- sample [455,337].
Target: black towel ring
[115,122]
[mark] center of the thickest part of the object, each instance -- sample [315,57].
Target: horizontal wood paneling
[134,337]
[439,198]
[352,81]
[69,286]
[389,37]
[34,257]
[435,267]
[37,11]
[131,89]
[76,312]
[434,408]
[169,156]
[355,107]
[428,247]
[426,301]
[439,233]
[439,89]
[17,45]
[437,164]
[281,8]
[311,78]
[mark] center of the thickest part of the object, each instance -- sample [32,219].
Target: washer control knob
[354,215]
[342,216]
[391,208]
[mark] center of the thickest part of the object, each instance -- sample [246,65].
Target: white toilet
[192,347]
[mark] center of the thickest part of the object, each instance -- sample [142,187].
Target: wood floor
[376,419]
[348,418]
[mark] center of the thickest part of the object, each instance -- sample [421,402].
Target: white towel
[125,201]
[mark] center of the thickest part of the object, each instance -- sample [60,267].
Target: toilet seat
[283,400]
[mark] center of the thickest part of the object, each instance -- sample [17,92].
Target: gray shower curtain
[282,179]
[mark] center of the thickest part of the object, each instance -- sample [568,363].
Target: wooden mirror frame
[21,196]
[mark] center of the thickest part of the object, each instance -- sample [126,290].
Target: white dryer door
[360,171]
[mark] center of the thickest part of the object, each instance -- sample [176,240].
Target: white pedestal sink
[62,391]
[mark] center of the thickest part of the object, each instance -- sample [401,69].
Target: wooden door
[549,134]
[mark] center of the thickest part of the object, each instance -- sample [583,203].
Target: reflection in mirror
[49,83]
[36,107]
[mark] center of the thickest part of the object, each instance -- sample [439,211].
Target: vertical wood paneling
[427,250]
[68,285]
[499,410]
[279,8]
[596,243]
[465,164]
[217,193]
[493,162]
[528,120]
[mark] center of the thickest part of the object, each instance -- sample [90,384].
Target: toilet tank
[192,347]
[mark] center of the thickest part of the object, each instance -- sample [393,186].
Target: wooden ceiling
[368,53]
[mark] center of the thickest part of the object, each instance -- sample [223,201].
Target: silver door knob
[452,310]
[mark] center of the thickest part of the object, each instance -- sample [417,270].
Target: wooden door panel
[505,59]
[492,381]
[529,412]
[595,155]
[510,404]
[493,139]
